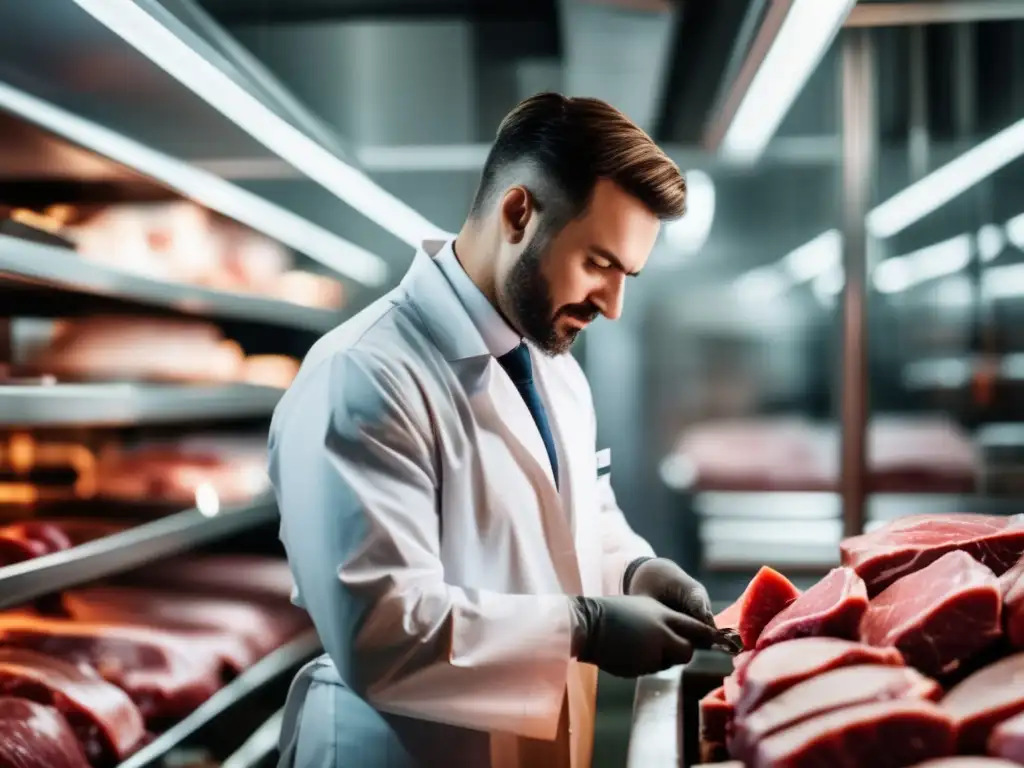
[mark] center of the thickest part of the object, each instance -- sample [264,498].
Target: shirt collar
[497,334]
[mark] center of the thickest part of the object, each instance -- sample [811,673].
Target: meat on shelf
[919,668]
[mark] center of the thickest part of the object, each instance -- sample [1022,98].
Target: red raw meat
[828,692]
[262,628]
[885,734]
[1007,740]
[767,594]
[782,666]
[938,617]
[986,698]
[252,577]
[967,762]
[1012,585]
[167,674]
[911,543]
[715,716]
[35,736]
[831,608]
[106,722]
[25,541]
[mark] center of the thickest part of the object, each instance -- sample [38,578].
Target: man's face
[560,283]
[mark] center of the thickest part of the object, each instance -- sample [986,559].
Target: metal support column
[860,134]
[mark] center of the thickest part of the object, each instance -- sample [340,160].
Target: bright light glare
[761,284]
[688,234]
[207,500]
[902,272]
[946,183]
[803,38]
[822,254]
[991,242]
[1015,231]
[174,56]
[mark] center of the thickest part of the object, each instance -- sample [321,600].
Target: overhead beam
[914,14]
[246,12]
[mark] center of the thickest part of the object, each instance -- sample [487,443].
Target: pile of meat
[148,349]
[89,680]
[788,454]
[911,651]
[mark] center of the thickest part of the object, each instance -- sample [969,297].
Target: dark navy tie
[519,367]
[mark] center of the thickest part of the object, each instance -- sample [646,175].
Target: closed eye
[600,262]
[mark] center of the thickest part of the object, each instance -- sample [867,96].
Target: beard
[527,301]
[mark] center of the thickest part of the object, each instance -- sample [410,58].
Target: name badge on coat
[604,462]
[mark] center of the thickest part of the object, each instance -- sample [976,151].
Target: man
[451,530]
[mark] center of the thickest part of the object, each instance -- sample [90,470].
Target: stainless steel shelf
[128,549]
[113,405]
[63,270]
[232,699]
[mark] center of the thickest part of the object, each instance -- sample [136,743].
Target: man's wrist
[630,572]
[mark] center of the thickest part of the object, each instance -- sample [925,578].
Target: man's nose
[609,298]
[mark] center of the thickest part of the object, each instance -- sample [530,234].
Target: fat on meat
[886,734]
[831,608]
[991,695]
[938,617]
[780,667]
[825,693]
[107,724]
[1007,740]
[1012,586]
[36,736]
[167,674]
[911,543]
[262,628]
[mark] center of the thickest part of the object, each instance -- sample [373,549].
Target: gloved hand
[633,636]
[670,585]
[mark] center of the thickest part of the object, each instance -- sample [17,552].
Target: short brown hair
[573,142]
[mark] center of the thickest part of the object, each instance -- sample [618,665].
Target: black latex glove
[670,585]
[634,636]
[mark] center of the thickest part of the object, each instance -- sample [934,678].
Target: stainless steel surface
[23,582]
[64,270]
[723,114]
[860,136]
[215,193]
[953,12]
[653,739]
[115,405]
[277,667]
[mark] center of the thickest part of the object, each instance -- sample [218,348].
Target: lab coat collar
[448,323]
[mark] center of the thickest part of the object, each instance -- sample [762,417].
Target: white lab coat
[431,547]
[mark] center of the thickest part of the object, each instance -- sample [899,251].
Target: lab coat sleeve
[418,646]
[620,544]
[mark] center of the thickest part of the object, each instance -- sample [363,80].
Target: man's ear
[515,210]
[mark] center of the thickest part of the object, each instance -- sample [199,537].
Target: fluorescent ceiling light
[802,39]
[205,188]
[1015,231]
[170,53]
[688,234]
[902,272]
[762,284]
[820,255]
[946,183]
[991,242]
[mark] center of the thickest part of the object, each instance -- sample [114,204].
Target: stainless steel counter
[653,738]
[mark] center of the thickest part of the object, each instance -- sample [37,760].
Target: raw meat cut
[25,541]
[830,691]
[731,689]
[1007,740]
[967,762]
[986,698]
[911,543]
[1012,585]
[35,736]
[252,577]
[782,666]
[167,674]
[938,617]
[831,608]
[105,721]
[885,734]
[270,370]
[715,715]
[262,628]
[767,594]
